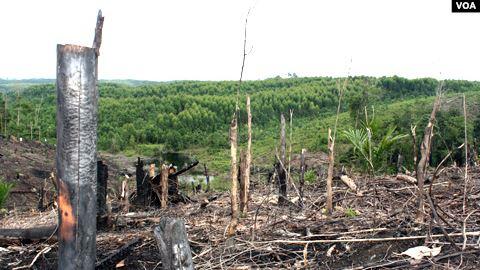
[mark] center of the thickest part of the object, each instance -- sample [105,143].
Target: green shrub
[310,176]
[350,212]
[4,191]
[372,151]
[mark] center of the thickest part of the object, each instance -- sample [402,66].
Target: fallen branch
[407,178]
[363,240]
[37,233]
[111,260]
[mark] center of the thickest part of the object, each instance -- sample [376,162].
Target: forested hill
[185,114]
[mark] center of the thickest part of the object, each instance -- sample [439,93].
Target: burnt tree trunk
[142,184]
[207,177]
[77,104]
[102,176]
[173,244]
[282,181]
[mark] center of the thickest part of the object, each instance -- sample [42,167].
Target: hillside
[193,116]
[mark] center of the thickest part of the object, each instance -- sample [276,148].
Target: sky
[203,40]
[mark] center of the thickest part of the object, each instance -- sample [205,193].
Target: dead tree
[77,106]
[331,151]
[172,241]
[425,149]
[245,183]
[77,103]
[302,175]
[415,151]
[234,176]
[102,176]
[465,147]
[281,171]
[207,177]
[143,186]
[289,178]
[331,161]
[164,187]
[243,195]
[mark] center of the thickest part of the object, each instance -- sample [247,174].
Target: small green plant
[371,153]
[310,176]
[350,212]
[4,191]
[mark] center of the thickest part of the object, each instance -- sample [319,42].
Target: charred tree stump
[77,103]
[142,184]
[102,176]
[173,244]
[281,173]
[207,177]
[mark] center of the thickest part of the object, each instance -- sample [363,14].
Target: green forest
[193,116]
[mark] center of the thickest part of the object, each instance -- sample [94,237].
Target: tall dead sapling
[232,227]
[5,114]
[77,105]
[302,175]
[465,147]
[414,141]
[245,172]
[289,178]
[331,152]
[280,168]
[425,149]
[241,179]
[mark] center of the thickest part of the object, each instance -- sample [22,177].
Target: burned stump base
[173,244]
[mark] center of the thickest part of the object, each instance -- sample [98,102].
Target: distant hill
[20,84]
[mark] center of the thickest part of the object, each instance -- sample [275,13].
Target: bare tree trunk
[302,175]
[77,104]
[5,113]
[234,176]
[243,185]
[125,196]
[425,149]
[164,187]
[281,171]
[289,178]
[331,161]
[465,146]
[415,151]
[248,161]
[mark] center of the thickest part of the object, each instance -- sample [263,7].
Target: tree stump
[173,244]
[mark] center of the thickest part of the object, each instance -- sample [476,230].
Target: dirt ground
[369,229]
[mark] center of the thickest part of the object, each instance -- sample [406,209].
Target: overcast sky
[202,40]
